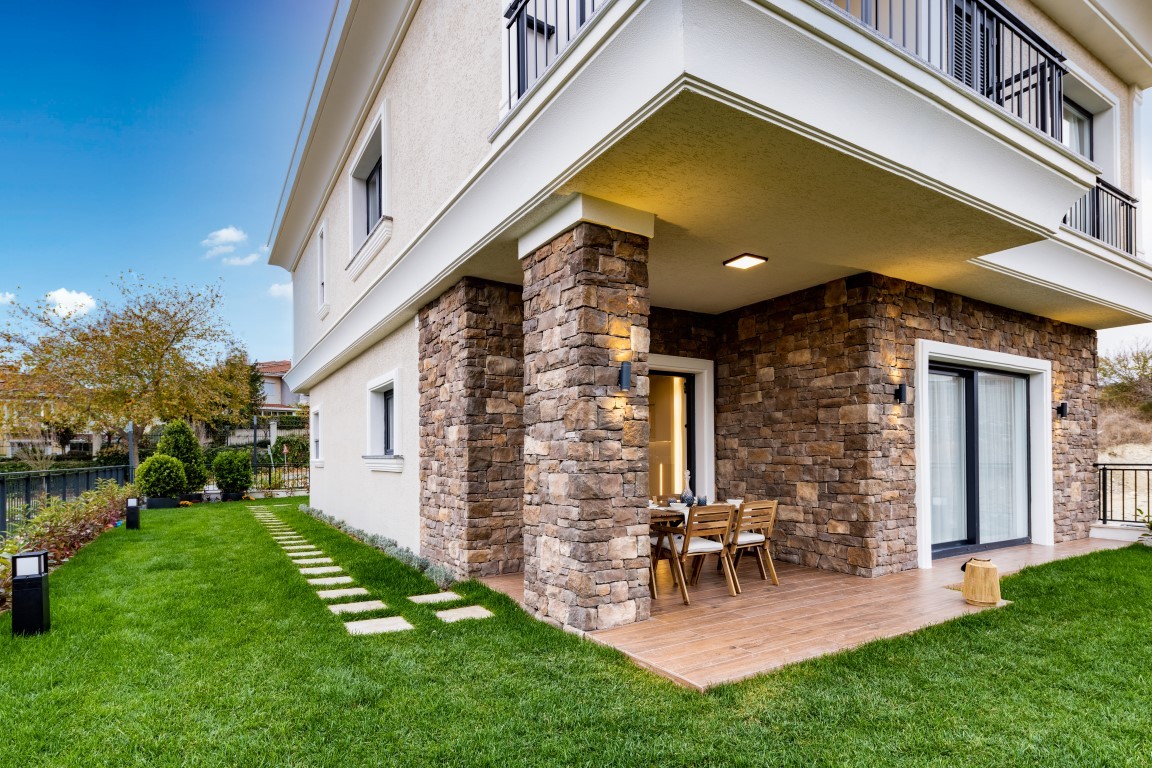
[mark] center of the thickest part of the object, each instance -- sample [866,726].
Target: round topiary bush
[180,443]
[233,470]
[161,477]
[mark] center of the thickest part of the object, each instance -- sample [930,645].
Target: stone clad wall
[471,428]
[586,443]
[805,411]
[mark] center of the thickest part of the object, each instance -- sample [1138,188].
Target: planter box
[232,496]
[193,497]
[161,502]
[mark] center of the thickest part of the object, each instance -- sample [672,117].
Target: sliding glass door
[978,442]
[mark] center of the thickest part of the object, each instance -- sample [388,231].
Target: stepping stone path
[302,553]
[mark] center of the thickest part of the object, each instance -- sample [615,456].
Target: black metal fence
[20,492]
[283,477]
[1107,214]
[978,43]
[537,32]
[1125,492]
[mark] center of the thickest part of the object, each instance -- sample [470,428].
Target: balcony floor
[722,639]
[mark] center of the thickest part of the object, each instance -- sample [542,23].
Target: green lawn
[195,642]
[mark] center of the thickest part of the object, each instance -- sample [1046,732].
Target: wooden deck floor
[720,639]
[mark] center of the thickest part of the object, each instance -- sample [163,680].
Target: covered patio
[721,639]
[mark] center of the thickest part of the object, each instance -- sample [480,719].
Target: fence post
[3,506]
[1104,488]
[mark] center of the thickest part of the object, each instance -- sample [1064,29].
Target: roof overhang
[1118,32]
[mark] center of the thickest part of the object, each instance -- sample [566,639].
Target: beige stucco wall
[342,484]
[1079,56]
[443,94]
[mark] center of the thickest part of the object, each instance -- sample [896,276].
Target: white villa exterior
[499,205]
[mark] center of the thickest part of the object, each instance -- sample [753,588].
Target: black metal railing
[536,33]
[978,43]
[1125,492]
[283,477]
[21,492]
[1107,214]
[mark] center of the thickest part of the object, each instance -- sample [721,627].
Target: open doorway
[672,437]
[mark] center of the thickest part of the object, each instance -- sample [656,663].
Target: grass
[194,642]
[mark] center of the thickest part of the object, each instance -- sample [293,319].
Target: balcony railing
[977,43]
[1107,214]
[536,33]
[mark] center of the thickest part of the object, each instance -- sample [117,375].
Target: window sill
[318,464]
[372,244]
[322,312]
[384,463]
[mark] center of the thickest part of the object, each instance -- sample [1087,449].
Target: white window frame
[374,456]
[315,446]
[1039,373]
[367,243]
[322,306]
[704,375]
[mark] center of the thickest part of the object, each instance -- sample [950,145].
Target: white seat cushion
[697,546]
[747,537]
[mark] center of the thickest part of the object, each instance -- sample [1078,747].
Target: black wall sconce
[1062,409]
[625,376]
[901,393]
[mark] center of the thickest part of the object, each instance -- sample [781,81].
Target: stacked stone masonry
[586,441]
[471,428]
[805,411]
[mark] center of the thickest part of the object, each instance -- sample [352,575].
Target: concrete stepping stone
[286,538]
[332,594]
[436,597]
[467,612]
[330,580]
[313,561]
[297,546]
[307,553]
[321,569]
[361,607]
[377,626]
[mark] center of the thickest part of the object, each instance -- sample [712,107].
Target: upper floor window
[373,192]
[1078,129]
[368,197]
[321,270]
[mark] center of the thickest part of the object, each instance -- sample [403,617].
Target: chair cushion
[747,537]
[697,546]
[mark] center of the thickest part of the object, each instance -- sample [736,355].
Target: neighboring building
[497,210]
[278,395]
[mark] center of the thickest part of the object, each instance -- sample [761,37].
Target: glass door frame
[689,418]
[972,543]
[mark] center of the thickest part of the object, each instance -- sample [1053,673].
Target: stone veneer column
[471,428]
[586,442]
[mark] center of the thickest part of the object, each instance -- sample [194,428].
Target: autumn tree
[154,353]
[1126,376]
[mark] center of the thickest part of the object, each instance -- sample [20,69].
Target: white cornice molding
[590,209]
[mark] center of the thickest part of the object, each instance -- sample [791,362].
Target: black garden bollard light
[30,614]
[132,516]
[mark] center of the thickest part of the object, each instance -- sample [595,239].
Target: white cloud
[281,290]
[226,236]
[242,261]
[6,297]
[217,250]
[70,302]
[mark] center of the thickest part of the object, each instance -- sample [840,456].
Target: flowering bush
[63,527]
[437,573]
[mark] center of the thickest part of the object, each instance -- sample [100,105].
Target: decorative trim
[371,247]
[591,209]
[1039,374]
[323,311]
[384,463]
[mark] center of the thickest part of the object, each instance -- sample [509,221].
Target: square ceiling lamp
[745,261]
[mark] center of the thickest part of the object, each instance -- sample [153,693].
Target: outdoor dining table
[664,523]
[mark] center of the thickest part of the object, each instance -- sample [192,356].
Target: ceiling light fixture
[745,261]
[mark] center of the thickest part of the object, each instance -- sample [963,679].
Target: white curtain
[1003,444]
[946,416]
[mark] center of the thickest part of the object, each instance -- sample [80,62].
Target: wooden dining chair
[753,531]
[706,532]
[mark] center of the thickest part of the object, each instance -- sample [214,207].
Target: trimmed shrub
[112,456]
[297,449]
[180,443]
[233,470]
[161,477]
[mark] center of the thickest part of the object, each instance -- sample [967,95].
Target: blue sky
[132,131]
[154,137]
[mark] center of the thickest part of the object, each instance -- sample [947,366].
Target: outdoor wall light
[745,261]
[30,615]
[902,393]
[625,376]
[132,516]
[1062,409]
